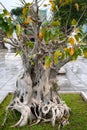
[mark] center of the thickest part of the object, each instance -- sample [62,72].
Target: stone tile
[9,70]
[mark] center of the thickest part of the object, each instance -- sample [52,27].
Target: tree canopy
[17,11]
[69,11]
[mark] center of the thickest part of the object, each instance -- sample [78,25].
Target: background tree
[17,13]
[36,96]
[70,11]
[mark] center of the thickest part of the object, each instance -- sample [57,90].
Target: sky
[9,4]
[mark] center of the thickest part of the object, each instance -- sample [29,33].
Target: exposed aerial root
[38,104]
[5,117]
[37,122]
[18,123]
[24,110]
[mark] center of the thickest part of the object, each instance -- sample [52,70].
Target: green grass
[78,118]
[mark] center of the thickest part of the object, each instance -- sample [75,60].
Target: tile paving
[9,71]
[76,76]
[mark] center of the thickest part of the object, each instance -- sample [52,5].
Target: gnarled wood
[36,96]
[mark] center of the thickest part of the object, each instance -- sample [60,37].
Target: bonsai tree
[36,96]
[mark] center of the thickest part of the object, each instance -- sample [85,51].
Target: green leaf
[57,8]
[77,37]
[55,23]
[74,57]
[19,53]
[18,29]
[53,31]
[55,87]
[67,54]
[47,36]
[57,54]
[24,10]
[73,22]
[30,44]
[82,47]
[79,51]
[1,21]
[6,12]
[9,33]
[48,61]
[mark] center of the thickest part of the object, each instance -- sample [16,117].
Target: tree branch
[3,6]
[68,17]
[11,43]
[83,37]
[81,15]
[56,68]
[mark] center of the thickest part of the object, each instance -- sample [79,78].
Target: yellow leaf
[47,65]
[52,4]
[48,61]
[77,6]
[6,12]
[50,1]
[60,1]
[72,41]
[67,1]
[32,63]
[41,35]
[18,29]
[66,49]
[71,51]
[85,54]
[24,10]
[51,9]
[27,21]
[56,55]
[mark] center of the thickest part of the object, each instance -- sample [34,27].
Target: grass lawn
[78,119]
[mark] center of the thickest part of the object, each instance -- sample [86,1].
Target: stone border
[81,93]
[4,97]
[84,96]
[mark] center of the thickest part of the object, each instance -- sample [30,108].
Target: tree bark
[36,97]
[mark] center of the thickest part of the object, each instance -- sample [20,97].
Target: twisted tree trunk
[37,98]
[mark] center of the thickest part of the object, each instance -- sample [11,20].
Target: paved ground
[10,66]
[9,70]
[76,76]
